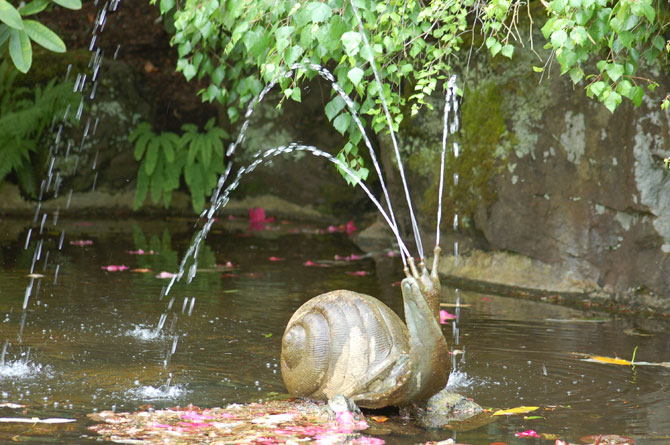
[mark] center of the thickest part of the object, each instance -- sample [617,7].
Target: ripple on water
[20,369]
[460,379]
[144,333]
[163,392]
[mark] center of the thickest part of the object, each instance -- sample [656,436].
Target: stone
[446,407]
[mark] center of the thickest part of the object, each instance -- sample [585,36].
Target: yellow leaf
[517,410]
[611,361]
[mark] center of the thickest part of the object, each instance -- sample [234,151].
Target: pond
[88,341]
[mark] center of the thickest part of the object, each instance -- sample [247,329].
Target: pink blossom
[529,433]
[358,273]
[114,268]
[275,258]
[444,316]
[309,263]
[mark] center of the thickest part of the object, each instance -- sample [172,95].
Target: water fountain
[203,365]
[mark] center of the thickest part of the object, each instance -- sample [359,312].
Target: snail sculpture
[351,344]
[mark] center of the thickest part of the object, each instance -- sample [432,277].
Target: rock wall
[577,188]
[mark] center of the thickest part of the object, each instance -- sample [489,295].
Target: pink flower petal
[257,219]
[358,273]
[309,263]
[275,258]
[164,274]
[444,316]
[365,440]
[81,242]
[350,228]
[141,252]
[114,268]
[528,433]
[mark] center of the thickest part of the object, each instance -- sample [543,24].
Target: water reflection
[89,341]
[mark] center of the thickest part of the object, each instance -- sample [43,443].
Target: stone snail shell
[351,344]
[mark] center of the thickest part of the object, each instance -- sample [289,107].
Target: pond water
[87,341]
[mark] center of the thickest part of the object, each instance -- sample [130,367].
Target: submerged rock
[445,408]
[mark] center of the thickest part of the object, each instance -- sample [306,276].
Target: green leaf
[597,88]
[69,4]
[626,38]
[558,38]
[614,70]
[647,10]
[33,7]
[4,33]
[636,94]
[20,50]
[189,71]
[318,12]
[341,122]
[334,107]
[576,74]
[151,158]
[507,51]
[296,95]
[141,189]
[166,5]
[283,36]
[658,42]
[538,69]
[9,15]
[292,54]
[141,144]
[351,41]
[43,36]
[157,183]
[355,75]
[612,100]
[218,75]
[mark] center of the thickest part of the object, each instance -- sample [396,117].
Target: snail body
[351,344]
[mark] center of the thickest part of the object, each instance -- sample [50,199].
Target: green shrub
[25,114]
[165,157]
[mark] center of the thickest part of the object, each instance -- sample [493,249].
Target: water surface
[88,340]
